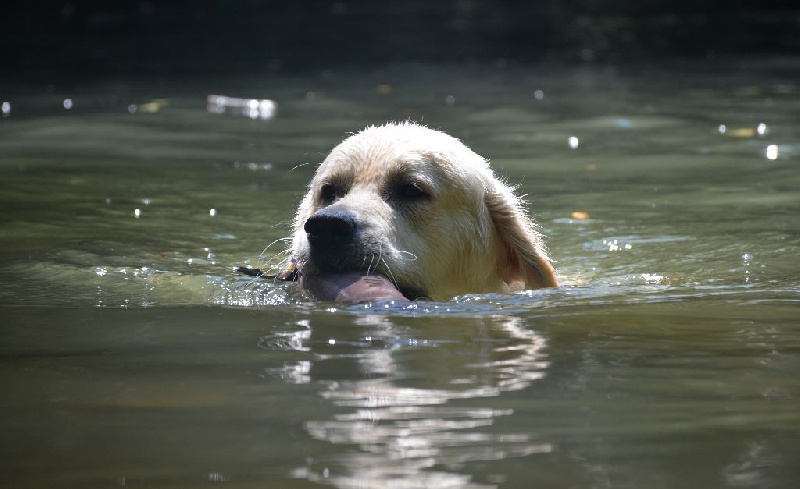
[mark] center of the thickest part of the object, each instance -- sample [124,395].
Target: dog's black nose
[331,228]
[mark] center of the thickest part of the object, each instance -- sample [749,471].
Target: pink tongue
[351,287]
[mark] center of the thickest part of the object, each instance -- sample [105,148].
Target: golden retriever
[417,206]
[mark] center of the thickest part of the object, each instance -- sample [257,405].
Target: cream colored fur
[471,234]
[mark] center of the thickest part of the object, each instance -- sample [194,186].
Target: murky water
[132,354]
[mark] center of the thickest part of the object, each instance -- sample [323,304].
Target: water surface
[131,353]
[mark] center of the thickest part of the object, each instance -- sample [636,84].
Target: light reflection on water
[669,354]
[404,431]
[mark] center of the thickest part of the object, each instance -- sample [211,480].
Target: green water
[131,353]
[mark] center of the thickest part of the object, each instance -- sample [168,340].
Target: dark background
[63,39]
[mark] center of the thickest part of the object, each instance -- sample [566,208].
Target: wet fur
[469,233]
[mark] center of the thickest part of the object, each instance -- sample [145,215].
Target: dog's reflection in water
[410,416]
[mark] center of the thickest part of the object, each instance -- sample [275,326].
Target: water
[132,354]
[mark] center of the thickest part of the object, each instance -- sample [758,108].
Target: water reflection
[407,396]
[772,152]
[263,109]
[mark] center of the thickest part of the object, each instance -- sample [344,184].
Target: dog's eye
[410,191]
[330,192]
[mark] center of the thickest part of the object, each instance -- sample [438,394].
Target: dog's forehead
[380,151]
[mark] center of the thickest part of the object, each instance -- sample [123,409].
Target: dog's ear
[525,259]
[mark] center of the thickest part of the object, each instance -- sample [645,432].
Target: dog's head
[419,207]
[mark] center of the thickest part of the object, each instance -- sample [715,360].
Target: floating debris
[744,132]
[150,107]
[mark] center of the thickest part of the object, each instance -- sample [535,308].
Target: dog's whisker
[372,261]
[380,255]
[298,166]
[250,282]
[285,240]
[389,273]
[407,255]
